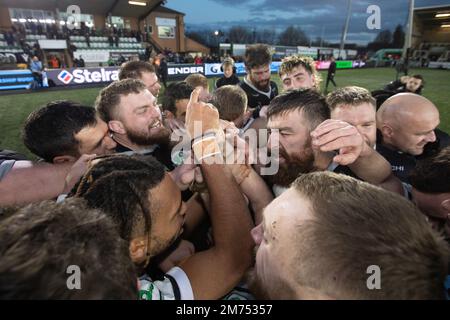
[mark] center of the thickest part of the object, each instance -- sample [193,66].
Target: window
[88,19]
[29,15]
[166,32]
[166,27]
[117,22]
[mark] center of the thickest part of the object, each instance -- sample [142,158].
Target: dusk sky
[315,17]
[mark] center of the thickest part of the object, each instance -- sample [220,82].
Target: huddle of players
[125,206]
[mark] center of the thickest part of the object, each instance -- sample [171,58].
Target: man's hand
[78,169]
[205,113]
[233,146]
[263,112]
[240,172]
[186,175]
[332,135]
[203,118]
[404,79]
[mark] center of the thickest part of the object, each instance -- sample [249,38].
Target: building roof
[103,7]
[168,10]
[427,15]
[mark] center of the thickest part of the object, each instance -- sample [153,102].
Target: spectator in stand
[148,51]
[9,38]
[121,60]
[163,71]
[198,60]
[82,64]
[111,40]
[53,63]
[36,69]
[229,74]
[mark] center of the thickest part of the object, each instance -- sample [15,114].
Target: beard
[255,285]
[274,288]
[262,85]
[161,137]
[293,167]
[159,246]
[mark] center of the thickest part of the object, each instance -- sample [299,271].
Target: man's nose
[431,137]
[155,112]
[257,234]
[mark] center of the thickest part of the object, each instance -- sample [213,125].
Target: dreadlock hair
[119,186]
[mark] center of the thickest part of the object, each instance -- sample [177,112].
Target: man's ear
[138,249]
[446,205]
[116,126]
[387,130]
[169,115]
[62,159]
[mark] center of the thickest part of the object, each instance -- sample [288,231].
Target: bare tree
[268,36]
[293,36]
[398,38]
[239,34]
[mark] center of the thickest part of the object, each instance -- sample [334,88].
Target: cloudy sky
[315,17]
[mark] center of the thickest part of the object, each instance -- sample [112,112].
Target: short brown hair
[109,98]
[174,92]
[291,62]
[230,101]
[134,69]
[432,174]
[197,80]
[352,95]
[227,62]
[40,241]
[357,225]
[312,103]
[257,55]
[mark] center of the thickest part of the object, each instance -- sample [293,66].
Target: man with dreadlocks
[147,206]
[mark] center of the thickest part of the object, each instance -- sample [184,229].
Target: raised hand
[204,114]
[335,135]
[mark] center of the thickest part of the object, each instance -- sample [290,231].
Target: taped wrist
[205,146]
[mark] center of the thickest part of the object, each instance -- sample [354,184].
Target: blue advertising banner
[213,69]
[82,76]
[15,79]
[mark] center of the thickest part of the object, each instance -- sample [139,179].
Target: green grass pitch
[15,108]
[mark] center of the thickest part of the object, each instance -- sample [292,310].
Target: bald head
[407,122]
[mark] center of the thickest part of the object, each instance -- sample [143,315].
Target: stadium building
[97,31]
[431,37]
